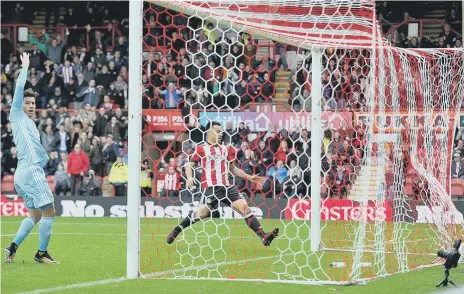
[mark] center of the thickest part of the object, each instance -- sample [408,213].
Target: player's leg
[43,200]
[240,205]
[21,177]
[45,233]
[202,211]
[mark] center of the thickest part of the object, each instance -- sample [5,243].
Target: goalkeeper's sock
[188,221]
[253,223]
[45,232]
[24,229]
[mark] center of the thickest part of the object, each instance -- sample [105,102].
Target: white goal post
[135,138]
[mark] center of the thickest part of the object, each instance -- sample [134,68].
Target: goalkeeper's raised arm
[18,98]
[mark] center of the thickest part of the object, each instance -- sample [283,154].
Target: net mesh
[387,122]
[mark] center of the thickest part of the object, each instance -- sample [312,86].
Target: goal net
[354,138]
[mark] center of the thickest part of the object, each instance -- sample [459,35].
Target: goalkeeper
[29,179]
[214,160]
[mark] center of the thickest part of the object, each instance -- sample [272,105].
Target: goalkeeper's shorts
[32,186]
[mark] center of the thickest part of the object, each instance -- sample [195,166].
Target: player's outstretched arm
[240,173]
[20,83]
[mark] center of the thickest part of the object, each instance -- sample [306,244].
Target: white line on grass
[283,237]
[156,274]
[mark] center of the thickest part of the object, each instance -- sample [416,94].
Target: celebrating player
[29,179]
[216,162]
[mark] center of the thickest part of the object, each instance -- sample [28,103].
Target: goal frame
[134,141]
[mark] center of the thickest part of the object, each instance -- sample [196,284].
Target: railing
[421,22]
[11,30]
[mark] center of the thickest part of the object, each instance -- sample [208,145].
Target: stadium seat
[457,187]
[457,190]
[8,178]
[8,187]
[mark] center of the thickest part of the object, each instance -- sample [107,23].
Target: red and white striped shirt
[214,161]
[172,182]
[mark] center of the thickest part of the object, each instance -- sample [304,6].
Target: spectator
[76,133]
[85,143]
[37,57]
[9,162]
[63,140]
[103,77]
[293,186]
[96,157]
[346,153]
[241,152]
[89,95]
[282,152]
[61,181]
[89,72]
[52,165]
[457,167]
[172,96]
[447,36]
[110,153]
[247,164]
[113,129]
[171,183]
[118,176]
[6,49]
[7,137]
[339,181]
[264,156]
[97,41]
[55,49]
[460,148]
[121,47]
[123,123]
[100,122]
[240,135]
[146,179]
[78,164]
[18,14]
[277,175]
[91,185]
[118,60]
[48,139]
[99,59]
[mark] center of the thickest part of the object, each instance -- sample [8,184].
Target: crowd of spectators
[392,13]
[84,97]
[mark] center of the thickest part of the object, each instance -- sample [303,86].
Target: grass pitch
[92,252]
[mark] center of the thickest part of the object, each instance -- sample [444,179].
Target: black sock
[253,223]
[189,220]
[14,246]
